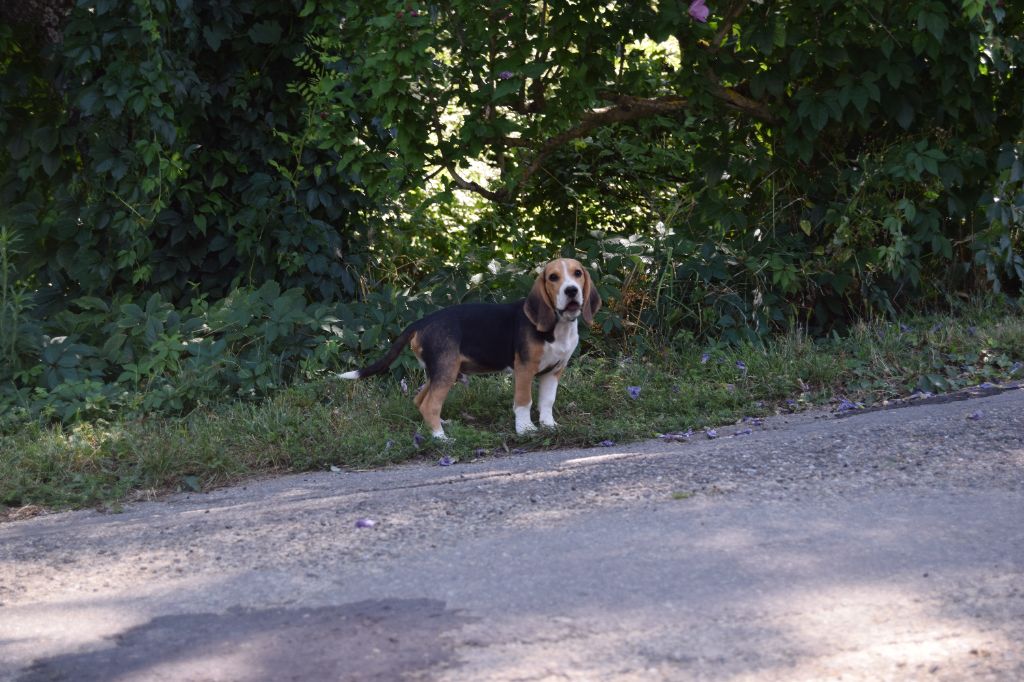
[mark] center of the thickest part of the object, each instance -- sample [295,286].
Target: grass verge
[357,425]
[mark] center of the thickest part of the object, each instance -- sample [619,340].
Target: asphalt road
[882,545]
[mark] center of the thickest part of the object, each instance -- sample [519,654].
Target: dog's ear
[591,299]
[538,307]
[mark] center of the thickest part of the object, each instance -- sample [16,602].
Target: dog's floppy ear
[538,306]
[591,299]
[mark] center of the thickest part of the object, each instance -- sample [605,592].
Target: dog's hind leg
[442,373]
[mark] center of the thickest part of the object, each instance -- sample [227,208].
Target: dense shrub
[206,199]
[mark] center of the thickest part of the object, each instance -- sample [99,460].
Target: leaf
[265,33]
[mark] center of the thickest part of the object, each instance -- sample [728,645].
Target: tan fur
[524,372]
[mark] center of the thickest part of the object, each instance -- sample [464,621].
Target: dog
[534,337]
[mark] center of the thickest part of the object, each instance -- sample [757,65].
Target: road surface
[880,545]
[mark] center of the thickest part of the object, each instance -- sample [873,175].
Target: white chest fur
[557,353]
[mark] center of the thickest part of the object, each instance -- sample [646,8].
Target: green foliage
[840,159]
[158,149]
[201,200]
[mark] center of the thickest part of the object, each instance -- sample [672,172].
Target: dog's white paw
[548,423]
[525,427]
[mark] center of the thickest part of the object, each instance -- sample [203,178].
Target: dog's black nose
[571,292]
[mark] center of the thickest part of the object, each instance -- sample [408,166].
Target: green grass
[371,423]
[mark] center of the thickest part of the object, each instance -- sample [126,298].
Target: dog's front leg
[546,398]
[523,400]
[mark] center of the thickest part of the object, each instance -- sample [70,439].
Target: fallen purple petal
[404,386]
[973,331]
[445,461]
[711,434]
[1016,367]
[634,392]
[846,405]
[904,329]
[606,443]
[744,432]
[699,11]
[704,358]
[365,523]
[986,384]
[974,416]
[387,446]
[417,439]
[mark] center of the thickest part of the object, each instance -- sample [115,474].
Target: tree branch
[728,20]
[627,108]
[462,183]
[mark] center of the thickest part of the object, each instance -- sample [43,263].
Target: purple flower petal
[846,405]
[404,386]
[1016,367]
[417,439]
[973,331]
[904,329]
[634,392]
[505,75]
[387,446]
[445,461]
[975,416]
[711,434]
[606,443]
[740,365]
[744,432]
[365,523]
[699,11]
[704,358]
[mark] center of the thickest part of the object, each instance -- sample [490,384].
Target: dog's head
[563,290]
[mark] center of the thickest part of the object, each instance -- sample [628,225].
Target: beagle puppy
[534,337]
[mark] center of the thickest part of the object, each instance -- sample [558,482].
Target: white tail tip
[349,375]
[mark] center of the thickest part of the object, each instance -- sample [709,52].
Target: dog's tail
[378,367]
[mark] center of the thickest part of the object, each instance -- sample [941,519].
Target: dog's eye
[553,277]
[578,273]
